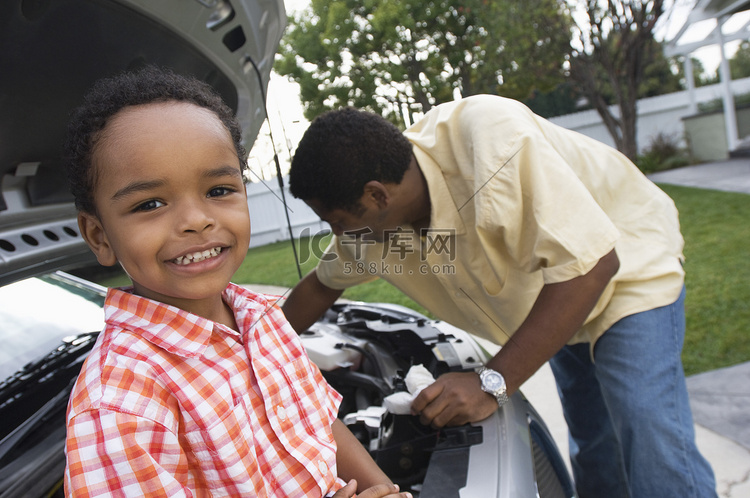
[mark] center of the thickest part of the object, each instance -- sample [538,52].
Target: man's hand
[377,491]
[454,399]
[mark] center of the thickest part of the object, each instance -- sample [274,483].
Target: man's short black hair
[110,95]
[341,151]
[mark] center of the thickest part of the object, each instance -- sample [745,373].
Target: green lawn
[716,227]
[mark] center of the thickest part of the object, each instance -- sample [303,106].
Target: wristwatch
[493,383]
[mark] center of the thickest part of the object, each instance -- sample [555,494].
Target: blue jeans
[631,428]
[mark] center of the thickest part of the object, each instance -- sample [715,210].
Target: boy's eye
[149,205]
[220,191]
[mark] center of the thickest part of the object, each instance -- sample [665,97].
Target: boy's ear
[377,193]
[96,238]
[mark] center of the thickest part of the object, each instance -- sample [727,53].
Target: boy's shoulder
[121,368]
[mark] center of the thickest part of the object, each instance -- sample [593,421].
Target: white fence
[661,114]
[267,217]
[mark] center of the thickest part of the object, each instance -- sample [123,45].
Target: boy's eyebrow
[151,184]
[223,171]
[137,187]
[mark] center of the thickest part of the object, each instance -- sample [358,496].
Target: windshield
[37,313]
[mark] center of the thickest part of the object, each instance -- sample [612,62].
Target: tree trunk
[614,55]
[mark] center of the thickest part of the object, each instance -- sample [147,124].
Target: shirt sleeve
[338,268]
[111,453]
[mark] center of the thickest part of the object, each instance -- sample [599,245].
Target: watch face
[493,381]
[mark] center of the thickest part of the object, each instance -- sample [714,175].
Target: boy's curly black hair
[341,151]
[110,95]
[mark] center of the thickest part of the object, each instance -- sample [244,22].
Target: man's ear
[377,193]
[96,238]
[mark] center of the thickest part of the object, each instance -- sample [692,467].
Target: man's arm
[558,313]
[308,301]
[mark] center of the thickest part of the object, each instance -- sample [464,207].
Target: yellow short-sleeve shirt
[518,202]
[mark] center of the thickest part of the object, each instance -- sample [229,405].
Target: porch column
[730,115]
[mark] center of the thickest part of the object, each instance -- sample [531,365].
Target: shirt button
[281,413]
[322,467]
[459,294]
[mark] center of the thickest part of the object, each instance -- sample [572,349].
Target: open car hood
[51,52]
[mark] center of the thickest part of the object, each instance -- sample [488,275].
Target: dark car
[50,54]
[41,355]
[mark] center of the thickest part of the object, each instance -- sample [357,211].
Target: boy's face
[170,200]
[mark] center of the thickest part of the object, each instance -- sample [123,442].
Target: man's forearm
[557,314]
[308,301]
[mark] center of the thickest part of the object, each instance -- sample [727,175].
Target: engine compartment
[365,351]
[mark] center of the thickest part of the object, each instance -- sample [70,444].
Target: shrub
[717,104]
[664,152]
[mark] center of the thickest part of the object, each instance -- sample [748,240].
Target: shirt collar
[176,330]
[443,210]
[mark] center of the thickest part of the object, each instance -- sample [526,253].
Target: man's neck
[418,208]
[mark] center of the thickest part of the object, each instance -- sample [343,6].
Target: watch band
[493,383]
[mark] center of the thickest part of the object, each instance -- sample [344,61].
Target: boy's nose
[194,219]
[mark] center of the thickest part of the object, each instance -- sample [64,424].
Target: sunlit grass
[716,227]
[274,264]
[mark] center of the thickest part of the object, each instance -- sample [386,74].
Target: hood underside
[51,52]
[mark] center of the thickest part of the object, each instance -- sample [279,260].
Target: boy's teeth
[197,256]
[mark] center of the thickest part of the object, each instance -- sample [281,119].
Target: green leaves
[392,56]
[613,50]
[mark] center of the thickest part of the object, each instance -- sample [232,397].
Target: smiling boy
[196,387]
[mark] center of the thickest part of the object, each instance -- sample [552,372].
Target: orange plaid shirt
[172,404]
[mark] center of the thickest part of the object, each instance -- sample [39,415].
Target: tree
[561,100]
[391,55]
[700,76]
[612,48]
[661,75]
[739,64]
